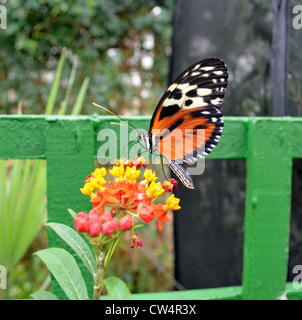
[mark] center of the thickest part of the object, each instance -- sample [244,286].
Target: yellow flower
[172,203]
[94,181]
[87,190]
[99,173]
[154,189]
[118,172]
[150,175]
[132,174]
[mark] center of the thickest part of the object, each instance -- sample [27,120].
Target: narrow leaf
[66,271]
[110,251]
[77,243]
[80,98]
[117,289]
[72,213]
[44,295]
[55,86]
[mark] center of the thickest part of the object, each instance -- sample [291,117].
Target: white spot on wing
[172,86]
[186,85]
[207,68]
[204,92]
[196,67]
[216,101]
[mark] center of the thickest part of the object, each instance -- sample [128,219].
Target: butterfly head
[142,135]
[139,134]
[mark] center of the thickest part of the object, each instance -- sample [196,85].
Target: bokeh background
[58,56]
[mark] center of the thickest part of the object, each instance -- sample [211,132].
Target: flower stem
[99,277]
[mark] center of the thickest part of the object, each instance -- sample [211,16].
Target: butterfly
[190,104]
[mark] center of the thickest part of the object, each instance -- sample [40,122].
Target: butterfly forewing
[190,105]
[201,85]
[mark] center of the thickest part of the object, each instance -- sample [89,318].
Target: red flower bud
[81,222]
[125,223]
[106,216]
[94,229]
[109,227]
[94,217]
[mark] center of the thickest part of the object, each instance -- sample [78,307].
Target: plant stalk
[99,277]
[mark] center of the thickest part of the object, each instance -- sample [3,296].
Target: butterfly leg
[162,166]
[126,145]
[140,153]
[133,153]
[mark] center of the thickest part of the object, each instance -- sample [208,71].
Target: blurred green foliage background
[122,45]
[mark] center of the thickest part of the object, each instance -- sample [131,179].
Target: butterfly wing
[182,174]
[192,102]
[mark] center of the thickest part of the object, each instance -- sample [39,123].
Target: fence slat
[69,153]
[267,213]
[22,137]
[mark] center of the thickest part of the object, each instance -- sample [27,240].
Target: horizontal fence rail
[69,144]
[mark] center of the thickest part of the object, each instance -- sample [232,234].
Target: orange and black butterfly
[191,102]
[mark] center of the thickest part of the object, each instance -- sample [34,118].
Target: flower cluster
[118,204]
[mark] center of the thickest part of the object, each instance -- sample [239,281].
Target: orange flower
[127,198]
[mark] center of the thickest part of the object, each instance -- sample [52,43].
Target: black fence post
[280,52]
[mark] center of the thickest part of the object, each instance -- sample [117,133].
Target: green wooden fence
[69,145]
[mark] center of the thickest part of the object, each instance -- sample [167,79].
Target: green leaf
[80,98]
[44,295]
[138,226]
[55,86]
[72,213]
[110,251]
[77,243]
[117,289]
[22,208]
[66,271]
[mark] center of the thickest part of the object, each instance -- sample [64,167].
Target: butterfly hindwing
[182,174]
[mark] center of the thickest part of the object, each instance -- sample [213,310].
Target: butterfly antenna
[118,124]
[97,105]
